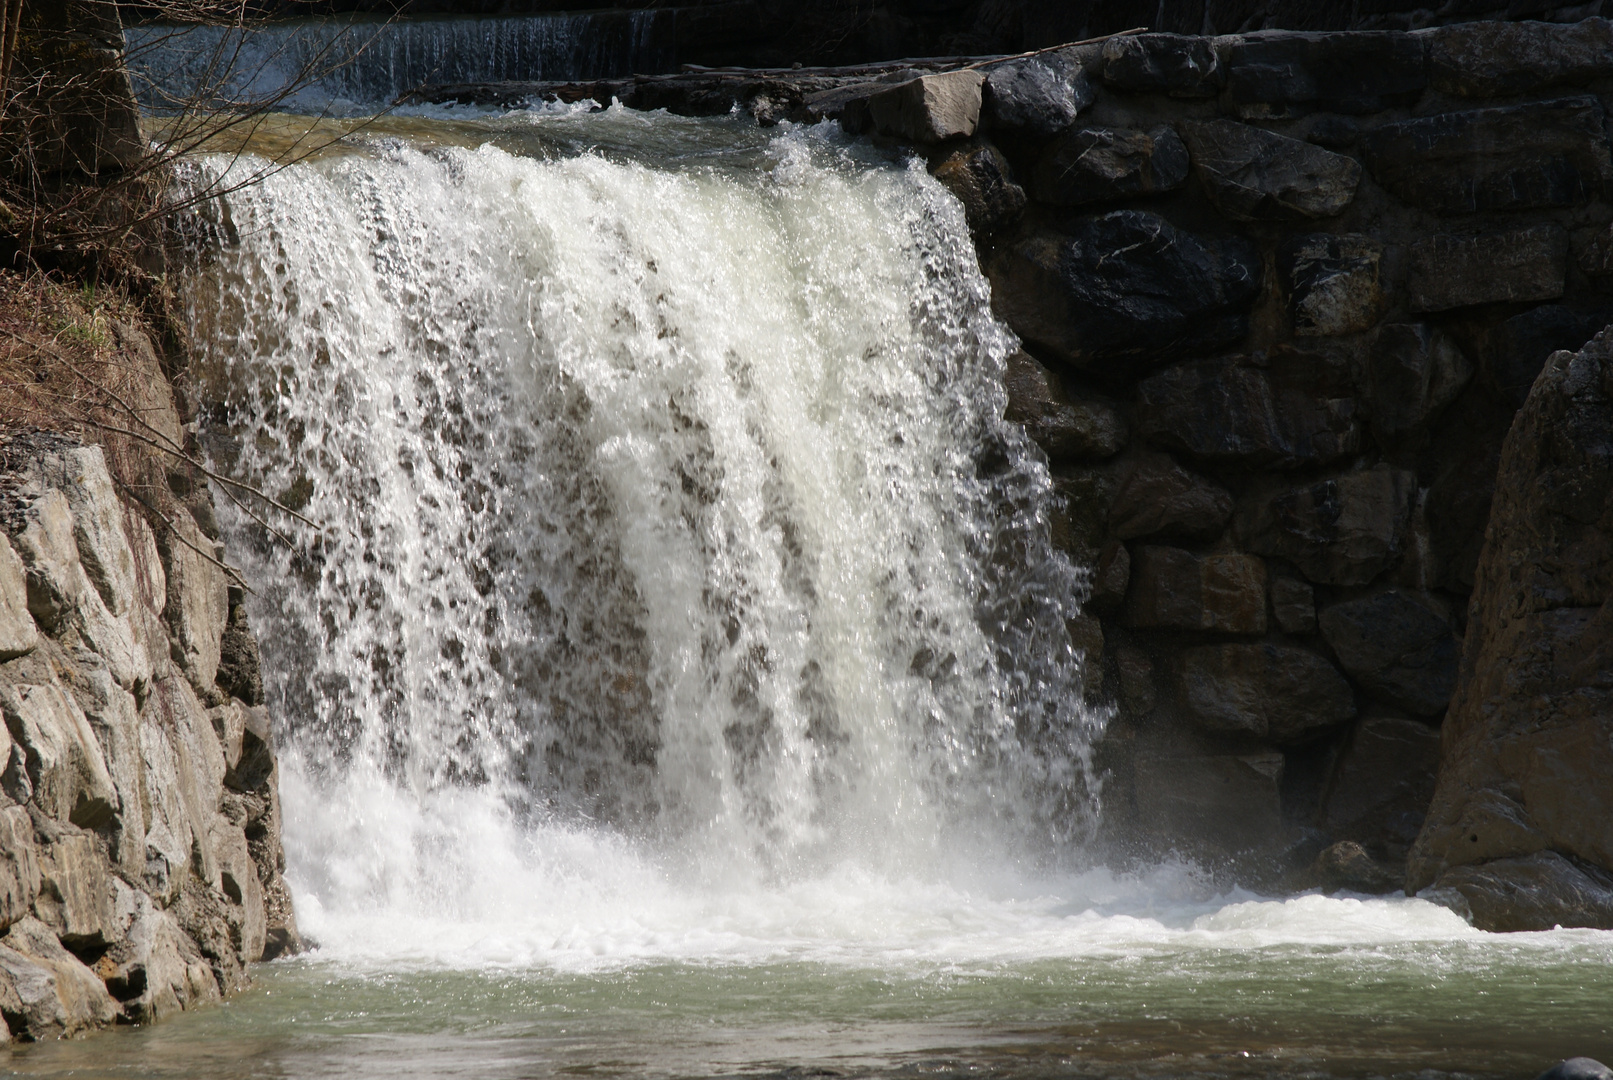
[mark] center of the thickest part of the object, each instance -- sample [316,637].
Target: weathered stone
[1333,132]
[238,881]
[198,602]
[114,718]
[1102,164]
[1457,271]
[154,969]
[1343,531]
[1160,498]
[1397,647]
[1511,353]
[19,865]
[1382,783]
[18,634]
[1255,175]
[1533,892]
[103,547]
[1080,522]
[1346,865]
[1529,734]
[1111,576]
[1172,589]
[65,768]
[1038,96]
[1333,283]
[1286,410]
[58,996]
[75,894]
[1278,74]
[929,108]
[1066,428]
[1227,803]
[1263,691]
[1517,157]
[1293,605]
[1413,372]
[1175,64]
[982,180]
[1125,291]
[1498,59]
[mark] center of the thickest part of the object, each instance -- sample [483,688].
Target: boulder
[982,180]
[45,991]
[1256,175]
[1111,577]
[18,634]
[930,108]
[1285,410]
[1333,283]
[1459,470]
[1225,803]
[1346,865]
[1101,164]
[1172,589]
[19,865]
[1281,73]
[1499,59]
[1293,605]
[1516,157]
[1065,427]
[240,672]
[1528,738]
[1449,271]
[75,894]
[1541,891]
[102,545]
[1125,291]
[1413,372]
[1178,65]
[1263,691]
[1037,97]
[1380,786]
[1158,497]
[114,718]
[66,771]
[1341,531]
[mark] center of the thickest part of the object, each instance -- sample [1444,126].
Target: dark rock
[1138,692]
[1038,96]
[1065,428]
[1511,354]
[239,671]
[1413,372]
[1459,470]
[1101,164]
[1126,291]
[930,108]
[981,179]
[1293,411]
[1529,735]
[1080,522]
[1174,64]
[1343,531]
[1160,498]
[1596,257]
[1172,589]
[1333,132]
[1263,691]
[1227,803]
[1346,865]
[1333,283]
[1384,778]
[1449,271]
[1517,157]
[1579,1068]
[1255,175]
[1111,576]
[1288,74]
[1293,605]
[1086,638]
[1498,59]
[1533,892]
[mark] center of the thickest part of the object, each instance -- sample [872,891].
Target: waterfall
[668,519]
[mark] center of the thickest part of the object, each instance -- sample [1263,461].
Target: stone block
[154,968]
[1255,175]
[1279,693]
[1533,892]
[1277,74]
[1178,65]
[1173,589]
[1341,531]
[1158,497]
[19,865]
[52,995]
[1080,521]
[1037,97]
[930,108]
[102,545]
[1397,647]
[1138,692]
[982,180]
[1346,865]
[1227,803]
[1125,291]
[1380,787]
[114,718]
[18,634]
[1065,427]
[1517,157]
[1413,372]
[238,881]
[1333,283]
[240,672]
[1499,59]
[1293,605]
[1102,164]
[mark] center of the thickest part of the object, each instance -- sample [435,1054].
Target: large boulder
[930,108]
[1413,372]
[1037,96]
[1160,498]
[1255,175]
[1225,803]
[1066,427]
[45,991]
[1263,691]
[1528,741]
[983,182]
[19,864]
[1102,164]
[1380,786]
[1342,531]
[18,634]
[66,772]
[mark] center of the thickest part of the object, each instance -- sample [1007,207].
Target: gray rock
[238,881]
[1111,577]
[1293,605]
[198,602]
[1280,73]
[154,968]
[1380,787]
[103,547]
[1172,589]
[1255,175]
[1578,1068]
[19,865]
[65,767]
[930,108]
[1333,283]
[1158,497]
[1038,96]
[1498,59]
[18,634]
[1397,647]
[1450,271]
[1533,892]
[1341,531]
[51,992]
[1174,64]
[1101,164]
[1263,691]
[982,180]
[75,893]
[1065,427]
[114,718]
[1125,291]
[1517,157]
[1346,865]
[1413,372]
[1221,804]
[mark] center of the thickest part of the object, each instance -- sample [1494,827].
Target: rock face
[1274,692]
[1256,175]
[1452,271]
[133,772]
[1396,647]
[1520,822]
